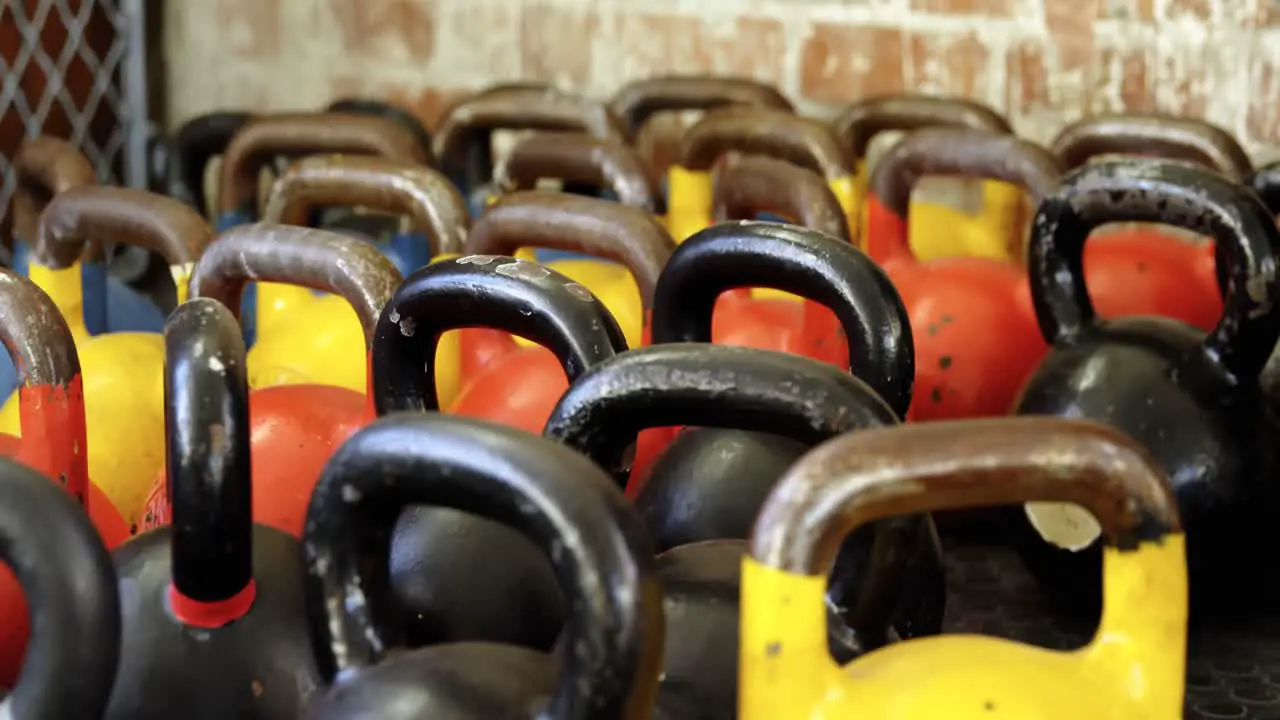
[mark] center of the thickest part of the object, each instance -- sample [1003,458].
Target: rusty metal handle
[1164,136]
[264,138]
[747,185]
[860,122]
[592,226]
[637,101]
[163,225]
[35,334]
[326,261]
[962,152]
[776,133]
[518,107]
[581,159]
[874,474]
[43,168]
[380,184]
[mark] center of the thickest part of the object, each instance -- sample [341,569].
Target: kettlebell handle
[51,410]
[948,151]
[317,259]
[1265,181]
[265,137]
[1166,136]
[207,458]
[44,168]
[637,101]
[195,144]
[467,125]
[378,183]
[163,225]
[802,262]
[379,108]
[859,123]
[1173,193]
[577,158]
[561,221]
[518,297]
[702,385]
[747,185]
[555,497]
[776,133]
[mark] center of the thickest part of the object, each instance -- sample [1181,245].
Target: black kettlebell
[65,571]
[191,149]
[887,582]
[711,482]
[214,618]
[1191,399]
[556,500]
[1266,183]
[438,553]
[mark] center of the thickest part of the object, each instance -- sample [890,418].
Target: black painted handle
[718,386]
[1266,183]
[207,425]
[194,145]
[489,291]
[555,497]
[802,262]
[49,543]
[1173,193]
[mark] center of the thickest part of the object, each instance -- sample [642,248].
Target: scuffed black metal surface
[1233,670]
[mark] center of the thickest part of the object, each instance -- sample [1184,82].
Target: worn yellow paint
[1132,670]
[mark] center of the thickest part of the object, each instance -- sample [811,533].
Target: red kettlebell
[520,388]
[976,338]
[51,409]
[801,141]
[582,163]
[213,616]
[1148,270]
[294,427]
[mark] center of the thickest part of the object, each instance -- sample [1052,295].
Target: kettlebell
[435,552]
[549,498]
[747,187]
[390,187]
[65,571]
[767,409]
[197,142]
[796,260]
[637,101]
[45,167]
[776,133]
[607,167]
[463,140]
[263,141]
[1265,181]
[214,621]
[1191,399]
[378,108]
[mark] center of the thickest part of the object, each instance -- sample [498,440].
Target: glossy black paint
[436,551]
[705,492]
[191,149]
[554,497]
[64,570]
[260,664]
[1191,399]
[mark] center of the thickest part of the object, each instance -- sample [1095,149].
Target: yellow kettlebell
[995,232]
[1132,670]
[320,343]
[267,137]
[771,132]
[582,162]
[123,372]
[629,236]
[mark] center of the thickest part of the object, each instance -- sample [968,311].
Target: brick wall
[1042,62]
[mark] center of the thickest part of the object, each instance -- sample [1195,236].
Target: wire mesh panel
[63,73]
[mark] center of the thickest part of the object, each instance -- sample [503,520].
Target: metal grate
[66,69]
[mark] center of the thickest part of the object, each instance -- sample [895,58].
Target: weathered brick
[947,64]
[250,31]
[1139,10]
[1026,87]
[1121,82]
[641,44]
[1201,10]
[1262,121]
[547,53]
[990,8]
[840,63]
[390,30]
